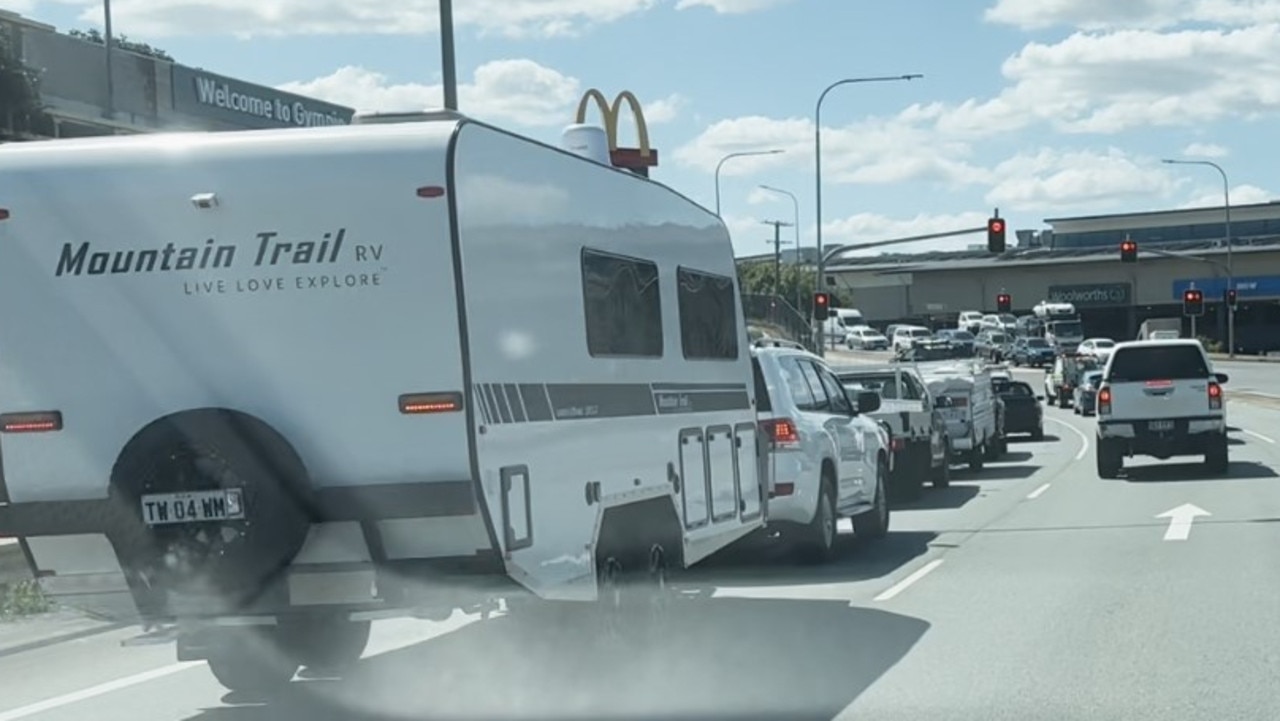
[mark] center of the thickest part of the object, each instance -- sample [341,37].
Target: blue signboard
[1253,286]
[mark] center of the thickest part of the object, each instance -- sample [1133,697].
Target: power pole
[778,225]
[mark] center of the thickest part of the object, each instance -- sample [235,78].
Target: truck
[1061,322]
[918,435]
[1160,329]
[262,384]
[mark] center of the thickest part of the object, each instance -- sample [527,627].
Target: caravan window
[708,316]
[622,305]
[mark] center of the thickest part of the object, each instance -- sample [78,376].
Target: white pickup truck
[921,448]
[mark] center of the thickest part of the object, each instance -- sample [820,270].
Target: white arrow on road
[1180,520]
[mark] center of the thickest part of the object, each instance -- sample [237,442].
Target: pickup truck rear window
[1173,362]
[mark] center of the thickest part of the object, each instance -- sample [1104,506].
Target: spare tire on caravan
[283,376]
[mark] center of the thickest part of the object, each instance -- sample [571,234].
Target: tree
[795,282]
[122,42]
[21,110]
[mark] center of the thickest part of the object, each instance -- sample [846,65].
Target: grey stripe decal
[513,400]
[493,405]
[535,401]
[500,401]
[478,395]
[708,402]
[600,400]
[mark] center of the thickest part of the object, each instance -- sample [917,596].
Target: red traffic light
[1128,246]
[1193,295]
[821,299]
[995,225]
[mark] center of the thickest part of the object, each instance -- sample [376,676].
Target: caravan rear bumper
[347,503]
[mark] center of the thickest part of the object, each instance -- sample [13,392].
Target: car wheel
[977,458]
[1217,459]
[1108,458]
[820,544]
[1038,434]
[874,523]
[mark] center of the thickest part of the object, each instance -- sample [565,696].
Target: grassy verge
[22,598]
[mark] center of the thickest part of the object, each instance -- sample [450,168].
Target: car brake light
[1215,397]
[899,444]
[33,422]
[782,432]
[1104,401]
[959,402]
[1158,384]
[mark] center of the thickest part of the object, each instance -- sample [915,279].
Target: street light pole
[777,255]
[1231,280]
[108,41]
[795,204]
[817,163]
[448,69]
[742,154]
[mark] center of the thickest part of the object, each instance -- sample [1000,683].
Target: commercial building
[147,91]
[1078,260]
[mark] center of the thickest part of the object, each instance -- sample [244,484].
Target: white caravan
[279,377]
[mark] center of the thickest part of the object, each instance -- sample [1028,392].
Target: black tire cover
[201,450]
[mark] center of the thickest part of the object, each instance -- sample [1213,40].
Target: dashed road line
[907,582]
[1038,492]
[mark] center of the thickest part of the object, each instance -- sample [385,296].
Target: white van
[276,378]
[839,322]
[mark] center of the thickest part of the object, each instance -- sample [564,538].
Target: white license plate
[159,509]
[1160,425]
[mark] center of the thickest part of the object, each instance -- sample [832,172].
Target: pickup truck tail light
[1215,397]
[1104,402]
[781,432]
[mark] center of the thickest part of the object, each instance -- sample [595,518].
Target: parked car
[825,457]
[865,338]
[960,340]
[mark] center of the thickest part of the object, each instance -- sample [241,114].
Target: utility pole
[778,225]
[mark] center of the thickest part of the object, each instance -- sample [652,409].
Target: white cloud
[1112,14]
[870,227]
[1240,195]
[1056,180]
[730,7]
[664,110]
[871,151]
[519,91]
[1205,150]
[244,18]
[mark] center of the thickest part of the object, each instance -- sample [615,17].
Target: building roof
[966,259]
[1170,214]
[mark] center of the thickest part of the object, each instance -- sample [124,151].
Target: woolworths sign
[1092,295]
[245,105]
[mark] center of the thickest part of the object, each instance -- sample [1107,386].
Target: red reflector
[784,489]
[431,191]
[430,402]
[34,422]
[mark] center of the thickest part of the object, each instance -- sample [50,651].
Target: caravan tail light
[32,422]
[1215,397]
[1104,402]
[418,403]
[782,433]
[431,191]
[4,213]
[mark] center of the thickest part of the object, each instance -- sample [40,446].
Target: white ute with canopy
[277,377]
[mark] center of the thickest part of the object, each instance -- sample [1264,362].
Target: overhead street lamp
[743,154]
[795,204]
[817,163]
[1226,207]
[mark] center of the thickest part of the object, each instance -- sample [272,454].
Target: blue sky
[1044,108]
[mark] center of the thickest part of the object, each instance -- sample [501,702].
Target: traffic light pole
[1231,283]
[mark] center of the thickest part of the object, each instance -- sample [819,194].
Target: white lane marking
[1038,492]
[1084,440]
[907,582]
[87,693]
[67,699]
[1259,436]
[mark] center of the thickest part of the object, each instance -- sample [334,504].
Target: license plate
[159,509]
[1160,425]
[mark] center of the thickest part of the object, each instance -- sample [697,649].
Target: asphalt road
[1030,590]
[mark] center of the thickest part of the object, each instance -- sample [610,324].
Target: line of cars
[846,440]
